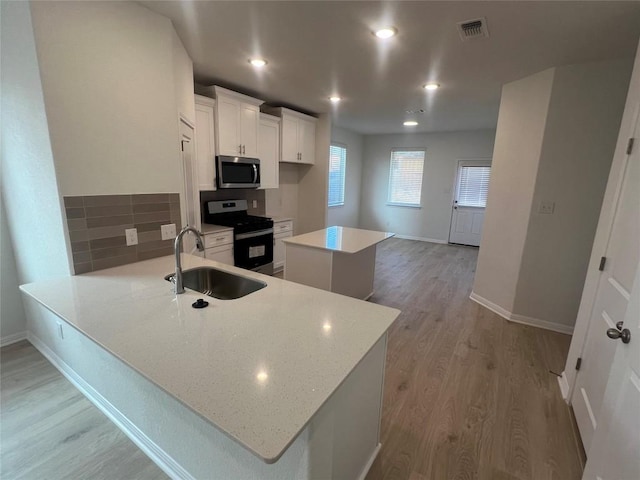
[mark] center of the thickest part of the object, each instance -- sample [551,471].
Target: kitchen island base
[340,441]
[348,274]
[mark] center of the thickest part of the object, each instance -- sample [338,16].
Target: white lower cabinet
[219,246]
[281,230]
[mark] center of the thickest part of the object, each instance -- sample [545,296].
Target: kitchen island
[285,382]
[337,259]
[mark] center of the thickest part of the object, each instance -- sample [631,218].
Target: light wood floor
[467,394]
[49,430]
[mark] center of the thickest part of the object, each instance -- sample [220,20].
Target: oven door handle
[255,173]
[259,233]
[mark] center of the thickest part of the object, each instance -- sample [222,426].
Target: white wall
[347,215]
[579,141]
[108,78]
[283,201]
[443,150]
[12,320]
[313,182]
[183,79]
[555,140]
[30,201]
[521,123]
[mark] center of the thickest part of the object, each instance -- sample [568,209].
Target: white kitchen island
[284,383]
[337,259]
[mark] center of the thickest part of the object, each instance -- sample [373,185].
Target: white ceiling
[318,48]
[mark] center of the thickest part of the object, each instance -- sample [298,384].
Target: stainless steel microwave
[237,172]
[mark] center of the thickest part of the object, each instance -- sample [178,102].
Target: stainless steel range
[252,235]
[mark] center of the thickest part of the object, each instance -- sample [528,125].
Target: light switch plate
[546,207]
[168,231]
[255,204]
[132,236]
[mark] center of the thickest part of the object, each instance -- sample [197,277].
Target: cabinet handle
[244,149]
[219,238]
[240,149]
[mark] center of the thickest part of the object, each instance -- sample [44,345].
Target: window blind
[405,177]
[337,164]
[473,186]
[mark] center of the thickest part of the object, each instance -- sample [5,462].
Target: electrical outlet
[255,204]
[168,231]
[546,207]
[132,236]
[60,331]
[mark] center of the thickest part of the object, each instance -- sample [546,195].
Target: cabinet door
[228,126]
[307,141]
[220,254]
[278,252]
[205,148]
[268,150]
[289,144]
[249,120]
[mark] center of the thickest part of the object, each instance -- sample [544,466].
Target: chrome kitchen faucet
[177,278]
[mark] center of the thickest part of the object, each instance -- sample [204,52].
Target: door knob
[624,334]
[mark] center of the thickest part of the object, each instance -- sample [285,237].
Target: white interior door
[615,451]
[467,216]
[610,307]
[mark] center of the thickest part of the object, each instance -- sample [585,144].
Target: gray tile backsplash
[97,223]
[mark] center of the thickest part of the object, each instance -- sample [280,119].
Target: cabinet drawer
[281,227]
[218,238]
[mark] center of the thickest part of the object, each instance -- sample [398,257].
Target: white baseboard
[9,339]
[564,387]
[422,239]
[153,451]
[517,318]
[372,459]
[495,308]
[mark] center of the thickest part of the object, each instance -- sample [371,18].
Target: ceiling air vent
[473,29]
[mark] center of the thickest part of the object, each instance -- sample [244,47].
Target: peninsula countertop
[258,368]
[340,239]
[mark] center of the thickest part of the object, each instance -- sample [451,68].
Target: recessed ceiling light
[410,123]
[431,86]
[334,98]
[386,32]
[258,62]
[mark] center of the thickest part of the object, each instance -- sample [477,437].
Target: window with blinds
[473,186]
[405,177]
[337,165]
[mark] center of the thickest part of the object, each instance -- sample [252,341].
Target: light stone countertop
[340,239]
[207,228]
[281,219]
[258,368]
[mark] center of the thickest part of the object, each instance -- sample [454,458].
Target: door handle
[624,334]
[455,207]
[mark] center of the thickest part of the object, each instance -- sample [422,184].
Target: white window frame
[406,149]
[344,174]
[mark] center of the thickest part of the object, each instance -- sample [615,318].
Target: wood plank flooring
[468,395]
[49,430]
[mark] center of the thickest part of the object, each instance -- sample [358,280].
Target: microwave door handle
[255,173]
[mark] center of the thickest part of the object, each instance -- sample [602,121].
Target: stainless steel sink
[218,283]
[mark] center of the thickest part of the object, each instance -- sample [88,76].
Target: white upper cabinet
[237,117]
[205,143]
[269,150]
[307,141]
[297,136]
